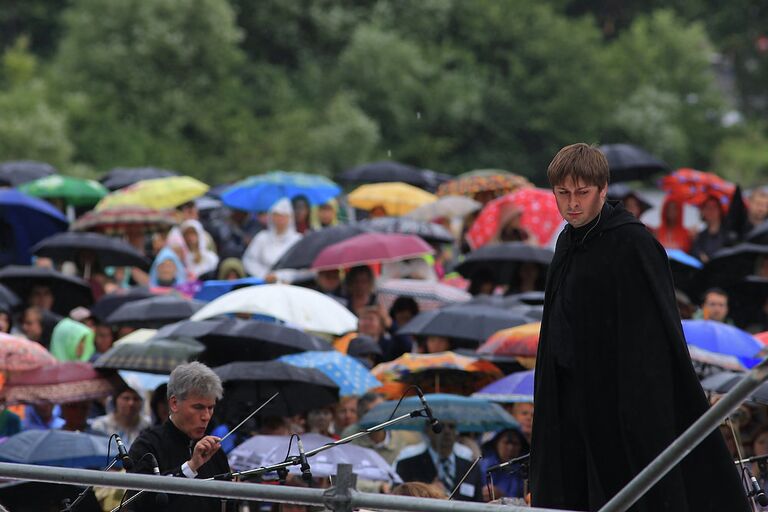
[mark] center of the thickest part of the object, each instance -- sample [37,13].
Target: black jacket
[172,448]
[614,381]
[421,468]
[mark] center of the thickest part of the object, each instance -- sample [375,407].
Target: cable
[109,448]
[412,386]
[288,453]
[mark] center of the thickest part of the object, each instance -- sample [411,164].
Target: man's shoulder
[152,436]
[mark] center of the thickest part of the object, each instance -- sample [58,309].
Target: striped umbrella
[119,219]
[427,294]
[522,340]
[168,192]
[153,356]
[19,354]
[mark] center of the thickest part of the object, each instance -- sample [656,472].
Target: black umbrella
[69,292]
[303,253]
[122,177]
[501,260]
[15,173]
[108,251]
[628,162]
[235,339]
[473,322]
[389,171]
[154,312]
[152,356]
[429,231]
[107,304]
[8,299]
[520,304]
[746,301]
[728,266]
[249,384]
[535,298]
[758,234]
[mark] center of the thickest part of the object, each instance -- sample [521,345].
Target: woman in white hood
[270,244]
[197,257]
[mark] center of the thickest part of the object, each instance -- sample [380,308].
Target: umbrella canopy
[708,358]
[627,162]
[267,450]
[159,193]
[537,208]
[154,312]
[428,295]
[301,307]
[503,260]
[370,248]
[106,250]
[469,414]
[721,338]
[522,340]
[8,299]
[215,288]
[723,382]
[68,291]
[108,303]
[259,193]
[303,253]
[396,198]
[74,191]
[59,383]
[474,322]
[56,448]
[17,172]
[20,354]
[730,265]
[389,171]
[122,177]
[121,219]
[483,180]
[694,187]
[445,206]
[517,387]
[24,221]
[152,356]
[429,231]
[347,372]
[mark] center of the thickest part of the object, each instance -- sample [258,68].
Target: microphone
[123,453]
[511,462]
[437,427]
[306,473]
[757,492]
[161,499]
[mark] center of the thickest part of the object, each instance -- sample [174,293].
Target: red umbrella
[694,187]
[19,354]
[370,248]
[522,341]
[539,216]
[59,383]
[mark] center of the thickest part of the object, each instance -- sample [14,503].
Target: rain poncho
[199,260]
[673,235]
[163,255]
[231,265]
[67,336]
[268,246]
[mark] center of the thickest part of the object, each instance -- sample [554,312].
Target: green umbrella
[74,191]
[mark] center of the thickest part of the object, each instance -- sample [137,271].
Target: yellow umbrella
[396,198]
[158,193]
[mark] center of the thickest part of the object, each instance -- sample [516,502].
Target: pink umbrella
[19,354]
[370,248]
[59,383]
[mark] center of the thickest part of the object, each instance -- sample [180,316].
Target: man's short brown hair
[582,162]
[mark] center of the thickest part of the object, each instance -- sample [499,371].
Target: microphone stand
[69,507]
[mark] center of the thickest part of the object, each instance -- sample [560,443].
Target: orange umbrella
[522,340]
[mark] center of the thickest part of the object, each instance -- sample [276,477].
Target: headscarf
[167,254]
[268,246]
[231,265]
[673,236]
[67,335]
[200,259]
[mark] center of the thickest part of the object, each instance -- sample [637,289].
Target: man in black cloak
[614,381]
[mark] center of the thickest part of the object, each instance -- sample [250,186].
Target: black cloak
[614,382]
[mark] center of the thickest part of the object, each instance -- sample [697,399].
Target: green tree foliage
[742,157]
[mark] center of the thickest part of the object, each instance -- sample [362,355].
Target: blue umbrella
[517,387]
[347,372]
[215,288]
[684,258]
[24,221]
[56,448]
[259,193]
[722,339]
[469,414]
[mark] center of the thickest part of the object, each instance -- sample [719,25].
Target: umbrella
[24,221]
[503,259]
[483,180]
[120,219]
[59,383]
[159,193]
[428,295]
[694,187]
[396,198]
[215,288]
[721,338]
[522,340]
[68,291]
[429,231]
[622,191]
[259,193]
[469,414]
[261,451]
[445,206]
[303,253]
[15,173]
[723,382]
[517,387]
[154,311]
[370,248]
[106,250]
[475,322]
[8,299]
[250,384]
[74,191]
[19,354]
[389,171]
[441,371]
[301,307]
[628,162]
[347,372]
[107,304]
[539,217]
[121,177]
[152,356]
[726,362]
[56,448]
[730,265]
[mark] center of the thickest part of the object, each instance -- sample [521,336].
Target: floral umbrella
[484,180]
[522,340]
[694,187]
[59,383]
[120,219]
[19,354]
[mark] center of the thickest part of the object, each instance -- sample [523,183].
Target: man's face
[370,323]
[443,442]
[103,338]
[758,207]
[578,202]
[192,414]
[523,413]
[128,404]
[716,307]
[32,326]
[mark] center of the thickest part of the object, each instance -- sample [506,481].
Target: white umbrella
[301,307]
[446,206]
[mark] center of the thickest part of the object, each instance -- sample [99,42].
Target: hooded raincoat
[67,336]
[268,246]
[165,254]
[198,260]
[673,235]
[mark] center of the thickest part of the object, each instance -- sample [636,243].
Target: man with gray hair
[180,445]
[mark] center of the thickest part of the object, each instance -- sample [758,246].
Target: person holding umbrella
[611,339]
